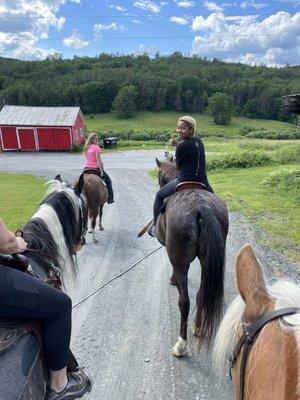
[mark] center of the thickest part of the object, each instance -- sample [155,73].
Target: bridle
[250,331]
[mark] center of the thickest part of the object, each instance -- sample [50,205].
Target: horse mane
[285,294]
[54,229]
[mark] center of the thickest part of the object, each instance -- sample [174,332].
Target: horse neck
[273,370]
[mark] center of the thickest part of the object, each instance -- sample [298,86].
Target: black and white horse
[54,234]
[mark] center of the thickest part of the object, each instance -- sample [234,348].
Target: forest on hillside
[174,82]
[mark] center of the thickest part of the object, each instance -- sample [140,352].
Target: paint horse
[96,194]
[261,334]
[54,234]
[194,225]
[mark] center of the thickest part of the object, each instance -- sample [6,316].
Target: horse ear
[251,284]
[158,163]
[79,185]
[58,178]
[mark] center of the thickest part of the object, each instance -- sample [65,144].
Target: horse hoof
[180,348]
[90,231]
[95,240]
[101,228]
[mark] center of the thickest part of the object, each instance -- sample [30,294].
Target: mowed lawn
[20,196]
[146,121]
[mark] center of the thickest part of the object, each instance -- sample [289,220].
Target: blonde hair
[90,139]
[190,121]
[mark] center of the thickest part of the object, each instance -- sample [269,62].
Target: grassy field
[146,121]
[19,201]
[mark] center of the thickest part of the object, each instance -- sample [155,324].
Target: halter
[247,339]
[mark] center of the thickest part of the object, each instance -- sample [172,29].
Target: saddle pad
[190,185]
[9,335]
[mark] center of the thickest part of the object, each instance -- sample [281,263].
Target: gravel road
[124,333]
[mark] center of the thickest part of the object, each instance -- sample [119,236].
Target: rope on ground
[117,276]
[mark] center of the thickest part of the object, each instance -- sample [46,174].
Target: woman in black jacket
[190,160]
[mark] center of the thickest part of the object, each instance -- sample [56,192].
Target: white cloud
[147,5]
[98,28]
[251,3]
[273,41]
[151,50]
[212,6]
[75,40]
[179,20]
[116,7]
[24,23]
[136,21]
[184,4]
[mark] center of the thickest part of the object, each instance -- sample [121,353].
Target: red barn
[40,128]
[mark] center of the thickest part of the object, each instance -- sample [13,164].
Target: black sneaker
[79,383]
[110,201]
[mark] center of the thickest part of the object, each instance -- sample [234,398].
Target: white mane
[285,294]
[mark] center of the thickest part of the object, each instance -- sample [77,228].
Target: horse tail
[210,297]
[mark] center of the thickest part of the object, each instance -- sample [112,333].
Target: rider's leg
[164,192]
[109,187]
[23,296]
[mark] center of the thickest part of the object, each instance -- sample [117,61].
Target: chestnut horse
[271,370]
[96,194]
[194,224]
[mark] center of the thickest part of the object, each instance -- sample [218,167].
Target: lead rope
[117,276]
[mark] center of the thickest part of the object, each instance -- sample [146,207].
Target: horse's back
[94,189]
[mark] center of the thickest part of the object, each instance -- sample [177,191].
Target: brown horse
[96,194]
[272,369]
[194,224]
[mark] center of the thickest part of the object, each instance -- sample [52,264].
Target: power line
[156,37]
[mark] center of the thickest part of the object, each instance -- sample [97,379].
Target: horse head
[261,331]
[57,230]
[167,171]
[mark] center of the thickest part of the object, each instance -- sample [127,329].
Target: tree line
[126,83]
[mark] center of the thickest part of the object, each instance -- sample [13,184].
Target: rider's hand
[22,245]
[173,142]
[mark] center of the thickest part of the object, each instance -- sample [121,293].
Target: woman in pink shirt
[94,164]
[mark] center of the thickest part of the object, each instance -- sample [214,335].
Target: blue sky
[250,31]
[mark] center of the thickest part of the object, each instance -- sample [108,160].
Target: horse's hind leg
[180,276]
[100,218]
[93,216]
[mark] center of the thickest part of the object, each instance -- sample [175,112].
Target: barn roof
[41,116]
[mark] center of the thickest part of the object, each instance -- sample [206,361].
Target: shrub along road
[124,333]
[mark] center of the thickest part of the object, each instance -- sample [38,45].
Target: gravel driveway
[125,332]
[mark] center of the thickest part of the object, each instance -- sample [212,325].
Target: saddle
[16,261]
[94,172]
[190,185]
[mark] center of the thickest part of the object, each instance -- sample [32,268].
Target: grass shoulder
[19,201]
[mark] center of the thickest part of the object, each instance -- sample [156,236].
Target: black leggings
[23,296]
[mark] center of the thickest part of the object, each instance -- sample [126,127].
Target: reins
[117,276]
[248,337]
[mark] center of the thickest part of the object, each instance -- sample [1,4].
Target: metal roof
[41,116]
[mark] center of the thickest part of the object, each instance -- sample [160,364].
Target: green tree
[124,104]
[250,109]
[221,107]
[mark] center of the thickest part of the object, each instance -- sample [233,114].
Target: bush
[245,129]
[239,159]
[140,136]
[287,154]
[266,134]
[288,179]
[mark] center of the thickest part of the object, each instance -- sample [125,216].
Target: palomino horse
[54,234]
[194,224]
[96,194]
[263,344]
